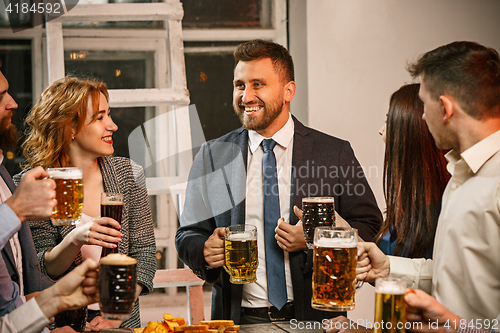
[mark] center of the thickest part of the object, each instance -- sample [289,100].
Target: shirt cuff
[29,317]
[9,222]
[416,272]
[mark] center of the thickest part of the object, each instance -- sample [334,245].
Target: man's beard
[8,134]
[269,114]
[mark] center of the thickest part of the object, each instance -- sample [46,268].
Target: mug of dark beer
[76,319]
[316,212]
[334,268]
[111,206]
[240,252]
[390,305]
[117,284]
[69,195]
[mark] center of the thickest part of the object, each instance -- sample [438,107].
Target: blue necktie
[275,264]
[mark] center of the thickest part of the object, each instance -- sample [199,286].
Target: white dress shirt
[255,294]
[466,258]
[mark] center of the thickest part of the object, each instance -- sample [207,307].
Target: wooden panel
[196,308]
[124,12]
[55,51]
[176,278]
[147,97]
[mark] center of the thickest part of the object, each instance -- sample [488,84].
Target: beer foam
[244,236]
[68,173]
[319,199]
[335,242]
[390,289]
[393,287]
[118,259]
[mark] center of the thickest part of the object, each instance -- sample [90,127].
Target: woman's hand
[102,231]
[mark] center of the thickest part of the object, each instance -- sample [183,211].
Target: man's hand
[343,325]
[99,322]
[290,237]
[422,307]
[214,248]
[65,329]
[372,262]
[75,290]
[34,197]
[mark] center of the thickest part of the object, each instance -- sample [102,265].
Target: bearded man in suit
[257,174]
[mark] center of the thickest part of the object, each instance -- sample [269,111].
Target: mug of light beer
[316,212]
[69,195]
[117,284]
[334,268]
[389,305]
[240,253]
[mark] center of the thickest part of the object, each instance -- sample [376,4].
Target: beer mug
[389,305]
[76,319]
[316,212]
[334,268]
[240,253]
[117,284]
[69,195]
[111,206]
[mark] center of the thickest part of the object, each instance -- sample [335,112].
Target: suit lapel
[240,146]
[301,158]
[7,178]
[7,250]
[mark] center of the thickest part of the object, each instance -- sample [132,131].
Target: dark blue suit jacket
[33,279]
[322,165]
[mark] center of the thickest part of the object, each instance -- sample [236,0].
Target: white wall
[357,51]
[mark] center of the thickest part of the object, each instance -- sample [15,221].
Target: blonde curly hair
[61,109]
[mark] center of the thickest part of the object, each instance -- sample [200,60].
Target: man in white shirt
[460,90]
[33,199]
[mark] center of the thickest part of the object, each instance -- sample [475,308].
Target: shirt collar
[477,155]
[283,137]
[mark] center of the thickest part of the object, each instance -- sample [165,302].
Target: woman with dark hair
[71,126]
[414,178]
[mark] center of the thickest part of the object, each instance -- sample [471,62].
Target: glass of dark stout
[111,206]
[76,319]
[316,212]
[117,284]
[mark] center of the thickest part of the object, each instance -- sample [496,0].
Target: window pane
[121,25]
[118,69]
[227,14]
[15,64]
[210,84]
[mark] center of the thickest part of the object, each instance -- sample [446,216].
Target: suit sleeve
[9,224]
[197,222]
[9,291]
[357,203]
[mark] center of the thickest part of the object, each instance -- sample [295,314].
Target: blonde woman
[71,125]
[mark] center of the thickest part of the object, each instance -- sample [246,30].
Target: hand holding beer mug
[389,305]
[240,253]
[334,268]
[111,206]
[316,212]
[117,284]
[69,195]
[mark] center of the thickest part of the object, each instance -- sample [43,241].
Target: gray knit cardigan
[120,175]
